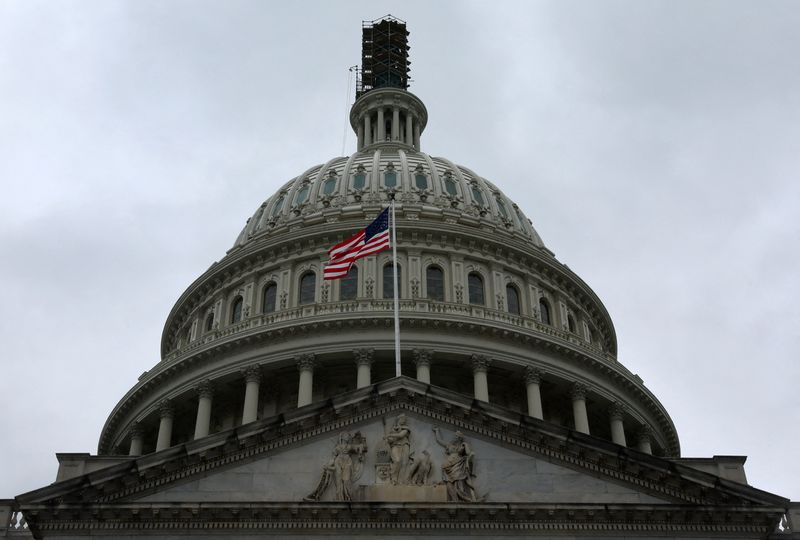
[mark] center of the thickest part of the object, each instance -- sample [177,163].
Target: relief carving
[343,469]
[458,468]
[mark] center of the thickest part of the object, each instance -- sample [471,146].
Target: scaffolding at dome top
[384,55]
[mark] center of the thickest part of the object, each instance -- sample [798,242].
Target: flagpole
[397,370]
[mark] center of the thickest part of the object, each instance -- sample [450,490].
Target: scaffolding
[384,55]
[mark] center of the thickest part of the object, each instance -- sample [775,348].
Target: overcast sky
[655,145]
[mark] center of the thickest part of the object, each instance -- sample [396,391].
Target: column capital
[363,357]
[422,357]
[136,430]
[616,410]
[305,362]
[204,389]
[533,375]
[578,391]
[480,362]
[166,409]
[252,373]
[644,434]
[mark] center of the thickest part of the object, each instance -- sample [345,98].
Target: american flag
[372,239]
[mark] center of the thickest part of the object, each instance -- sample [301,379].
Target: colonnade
[408,133]
[363,359]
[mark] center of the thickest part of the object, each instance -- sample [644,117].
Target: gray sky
[655,145]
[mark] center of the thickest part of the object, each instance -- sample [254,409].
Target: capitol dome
[485,308]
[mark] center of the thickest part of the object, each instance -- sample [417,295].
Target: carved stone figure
[421,470]
[399,440]
[344,468]
[458,468]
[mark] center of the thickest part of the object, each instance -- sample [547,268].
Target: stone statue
[399,441]
[344,467]
[421,470]
[458,468]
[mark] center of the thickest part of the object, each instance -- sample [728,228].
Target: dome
[485,309]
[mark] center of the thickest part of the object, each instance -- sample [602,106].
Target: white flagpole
[397,371]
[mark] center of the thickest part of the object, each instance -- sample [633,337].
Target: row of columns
[410,136]
[363,360]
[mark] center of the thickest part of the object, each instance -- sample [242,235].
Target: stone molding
[480,363]
[205,389]
[252,374]
[644,434]
[305,362]
[136,430]
[616,411]
[166,409]
[533,375]
[578,392]
[422,357]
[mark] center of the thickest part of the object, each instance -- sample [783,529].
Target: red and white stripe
[344,254]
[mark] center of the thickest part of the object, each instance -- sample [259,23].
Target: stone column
[480,365]
[416,135]
[381,126]
[205,393]
[644,440]
[367,130]
[533,377]
[364,362]
[136,440]
[615,414]
[305,388]
[252,377]
[360,137]
[396,123]
[578,395]
[167,413]
[422,359]
[409,129]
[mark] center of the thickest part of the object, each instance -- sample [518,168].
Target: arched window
[302,195]
[390,178]
[475,285]
[512,299]
[434,281]
[308,286]
[571,323]
[478,196]
[348,287]
[502,208]
[360,178]
[268,298]
[209,322]
[236,310]
[388,280]
[544,312]
[450,185]
[278,206]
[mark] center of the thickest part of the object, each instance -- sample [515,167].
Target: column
[480,365]
[578,395]
[205,393]
[422,359]
[533,377]
[364,362]
[615,414]
[360,137]
[367,130]
[409,129]
[381,136]
[305,388]
[252,377]
[644,440]
[416,135]
[136,440]
[167,413]
[396,123]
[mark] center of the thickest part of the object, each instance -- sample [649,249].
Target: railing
[12,521]
[407,307]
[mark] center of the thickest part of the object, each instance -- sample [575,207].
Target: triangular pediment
[517,459]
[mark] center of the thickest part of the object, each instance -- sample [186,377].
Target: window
[268,298]
[477,196]
[390,179]
[236,310]
[348,287]
[388,280]
[209,322]
[571,323]
[329,186]
[512,299]
[434,280]
[359,181]
[544,311]
[450,185]
[308,286]
[475,285]
[302,195]
[502,208]
[278,205]
[420,180]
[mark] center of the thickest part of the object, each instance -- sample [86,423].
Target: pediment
[516,460]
